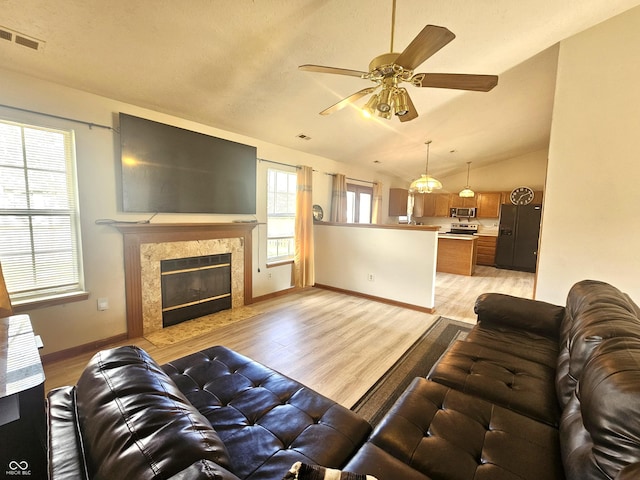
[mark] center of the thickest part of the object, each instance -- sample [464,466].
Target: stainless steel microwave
[463,212]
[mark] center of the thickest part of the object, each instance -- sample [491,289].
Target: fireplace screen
[194,287]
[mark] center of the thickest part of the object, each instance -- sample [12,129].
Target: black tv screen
[172,170]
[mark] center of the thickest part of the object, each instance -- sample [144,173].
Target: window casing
[281,215]
[39,220]
[359,203]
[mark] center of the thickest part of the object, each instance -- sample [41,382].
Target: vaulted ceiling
[234,65]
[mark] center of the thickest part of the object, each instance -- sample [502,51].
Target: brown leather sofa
[535,391]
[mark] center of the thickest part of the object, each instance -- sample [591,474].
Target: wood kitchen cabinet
[486,250]
[398,202]
[488,204]
[435,205]
[456,201]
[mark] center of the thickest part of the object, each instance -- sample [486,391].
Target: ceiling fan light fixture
[466,192]
[400,102]
[370,108]
[384,100]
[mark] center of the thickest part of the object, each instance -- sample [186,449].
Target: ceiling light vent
[21,39]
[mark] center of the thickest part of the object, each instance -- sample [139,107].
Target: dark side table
[22,410]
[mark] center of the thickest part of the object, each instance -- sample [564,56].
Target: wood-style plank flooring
[336,344]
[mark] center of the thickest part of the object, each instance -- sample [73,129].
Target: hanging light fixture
[425,184]
[467,192]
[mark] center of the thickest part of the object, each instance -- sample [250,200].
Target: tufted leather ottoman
[436,432]
[266,420]
[502,378]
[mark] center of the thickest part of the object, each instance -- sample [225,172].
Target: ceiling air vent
[21,39]
[302,136]
[6,34]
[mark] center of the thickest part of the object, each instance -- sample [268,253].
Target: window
[359,201]
[281,215]
[39,251]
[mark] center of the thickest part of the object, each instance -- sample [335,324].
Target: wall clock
[521,196]
[318,214]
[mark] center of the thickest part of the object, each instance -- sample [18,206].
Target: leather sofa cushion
[595,312]
[521,343]
[435,432]
[600,427]
[533,316]
[266,420]
[499,377]
[135,422]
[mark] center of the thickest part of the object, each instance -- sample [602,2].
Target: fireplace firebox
[194,287]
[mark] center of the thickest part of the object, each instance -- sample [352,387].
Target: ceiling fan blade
[346,101]
[458,81]
[411,113]
[431,39]
[337,71]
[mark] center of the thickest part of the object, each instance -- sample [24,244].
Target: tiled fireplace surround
[145,245]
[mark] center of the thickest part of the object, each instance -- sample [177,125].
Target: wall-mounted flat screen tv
[173,170]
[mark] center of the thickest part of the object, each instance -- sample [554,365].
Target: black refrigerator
[517,247]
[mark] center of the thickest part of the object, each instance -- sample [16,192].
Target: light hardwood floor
[336,344]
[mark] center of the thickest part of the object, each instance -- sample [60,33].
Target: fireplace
[147,245]
[194,287]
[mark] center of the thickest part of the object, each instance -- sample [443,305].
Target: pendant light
[467,192]
[425,184]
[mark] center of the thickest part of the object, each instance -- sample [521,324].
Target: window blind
[39,247]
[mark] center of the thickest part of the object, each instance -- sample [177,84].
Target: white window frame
[39,216]
[354,197]
[281,210]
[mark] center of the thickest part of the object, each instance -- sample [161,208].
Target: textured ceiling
[232,64]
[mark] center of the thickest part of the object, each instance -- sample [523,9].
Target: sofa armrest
[500,310]
[66,452]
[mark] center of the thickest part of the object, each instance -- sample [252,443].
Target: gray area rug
[415,362]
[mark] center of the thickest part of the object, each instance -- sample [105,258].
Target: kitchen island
[457,253]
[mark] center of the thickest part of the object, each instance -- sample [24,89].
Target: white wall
[79,323]
[401,260]
[590,227]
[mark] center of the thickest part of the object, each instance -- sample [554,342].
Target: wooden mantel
[136,234]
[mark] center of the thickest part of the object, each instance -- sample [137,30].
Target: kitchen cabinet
[487,249]
[435,205]
[488,204]
[457,254]
[398,202]
[456,201]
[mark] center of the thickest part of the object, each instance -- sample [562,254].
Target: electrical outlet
[269,276]
[103,304]
[371,277]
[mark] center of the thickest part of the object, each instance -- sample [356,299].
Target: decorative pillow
[302,471]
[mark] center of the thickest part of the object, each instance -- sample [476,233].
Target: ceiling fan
[389,70]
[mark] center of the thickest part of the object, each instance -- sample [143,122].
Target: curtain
[339,199]
[376,209]
[5,302]
[303,258]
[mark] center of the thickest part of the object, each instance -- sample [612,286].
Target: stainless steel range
[463,228]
